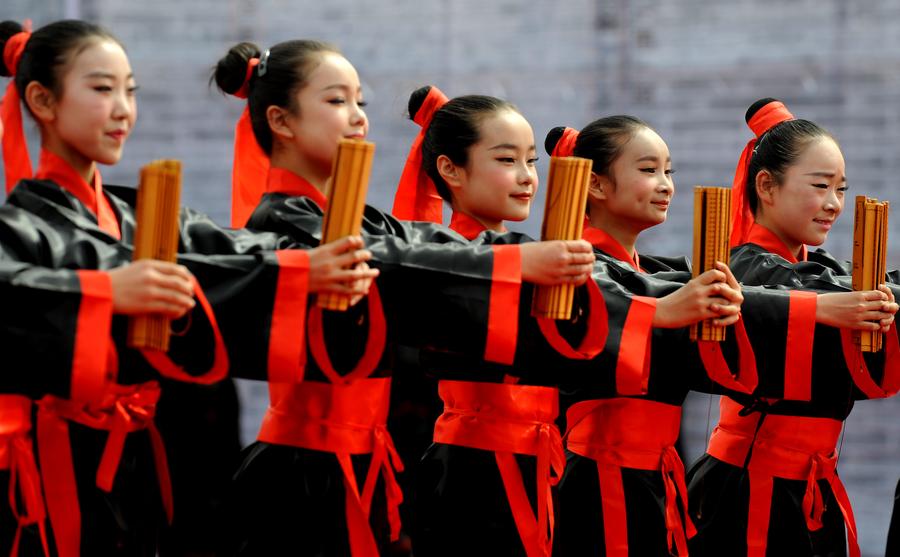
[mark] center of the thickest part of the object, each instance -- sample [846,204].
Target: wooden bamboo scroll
[156,237]
[712,229]
[870,229]
[567,191]
[346,201]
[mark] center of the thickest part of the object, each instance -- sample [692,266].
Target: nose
[358,116]
[832,202]
[526,175]
[124,105]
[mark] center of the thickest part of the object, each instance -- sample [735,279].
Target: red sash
[124,409]
[510,419]
[789,447]
[631,433]
[17,456]
[344,419]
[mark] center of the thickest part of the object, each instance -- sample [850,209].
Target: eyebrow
[509,146]
[825,175]
[341,86]
[652,158]
[109,75]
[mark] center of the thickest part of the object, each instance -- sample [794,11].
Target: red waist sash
[789,447]
[631,433]
[123,410]
[510,419]
[343,419]
[17,456]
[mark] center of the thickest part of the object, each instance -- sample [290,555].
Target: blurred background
[688,67]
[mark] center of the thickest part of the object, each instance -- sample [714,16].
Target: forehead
[333,69]
[645,142]
[821,155]
[505,126]
[99,55]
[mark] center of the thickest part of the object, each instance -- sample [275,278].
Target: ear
[452,174]
[599,187]
[41,101]
[765,187]
[277,118]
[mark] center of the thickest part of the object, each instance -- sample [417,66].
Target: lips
[359,135]
[826,223]
[118,135]
[661,204]
[522,196]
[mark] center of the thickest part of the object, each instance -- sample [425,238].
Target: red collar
[765,238]
[281,180]
[52,167]
[606,243]
[468,227]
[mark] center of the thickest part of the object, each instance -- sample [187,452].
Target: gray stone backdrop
[689,67]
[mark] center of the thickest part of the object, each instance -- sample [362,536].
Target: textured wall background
[689,67]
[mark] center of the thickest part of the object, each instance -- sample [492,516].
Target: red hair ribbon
[742,219]
[417,197]
[565,146]
[16,162]
[251,164]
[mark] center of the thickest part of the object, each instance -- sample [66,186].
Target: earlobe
[40,102]
[449,171]
[277,119]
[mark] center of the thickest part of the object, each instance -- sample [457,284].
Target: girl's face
[803,207]
[500,179]
[640,187]
[330,108]
[96,110]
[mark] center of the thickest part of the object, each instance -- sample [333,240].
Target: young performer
[303,96]
[63,241]
[623,448]
[768,484]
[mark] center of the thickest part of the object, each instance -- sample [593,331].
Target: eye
[820,186]
[102,88]
[133,89]
[362,104]
[648,170]
[670,171]
[507,160]
[532,161]
[842,189]
[338,100]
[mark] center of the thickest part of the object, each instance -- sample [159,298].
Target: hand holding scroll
[339,268]
[557,262]
[149,286]
[714,294]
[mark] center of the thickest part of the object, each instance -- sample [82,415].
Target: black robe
[719,492]
[47,237]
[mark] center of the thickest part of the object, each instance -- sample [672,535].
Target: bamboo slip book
[712,229]
[567,192]
[346,201]
[870,232]
[156,237]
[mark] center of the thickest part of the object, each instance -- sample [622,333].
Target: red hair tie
[565,146]
[417,197]
[16,162]
[742,219]
[251,164]
[244,91]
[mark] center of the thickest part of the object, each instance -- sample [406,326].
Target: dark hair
[778,148]
[601,141]
[453,129]
[287,70]
[49,49]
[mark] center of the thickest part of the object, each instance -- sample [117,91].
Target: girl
[64,242]
[768,484]
[623,448]
[303,96]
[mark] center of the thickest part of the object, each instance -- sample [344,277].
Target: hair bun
[756,107]
[7,30]
[553,137]
[231,70]
[416,99]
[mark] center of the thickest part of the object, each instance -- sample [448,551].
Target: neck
[289,160]
[489,224]
[793,245]
[84,166]
[621,231]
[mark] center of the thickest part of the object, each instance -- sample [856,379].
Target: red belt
[789,447]
[123,410]
[17,456]
[510,419]
[631,433]
[343,419]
